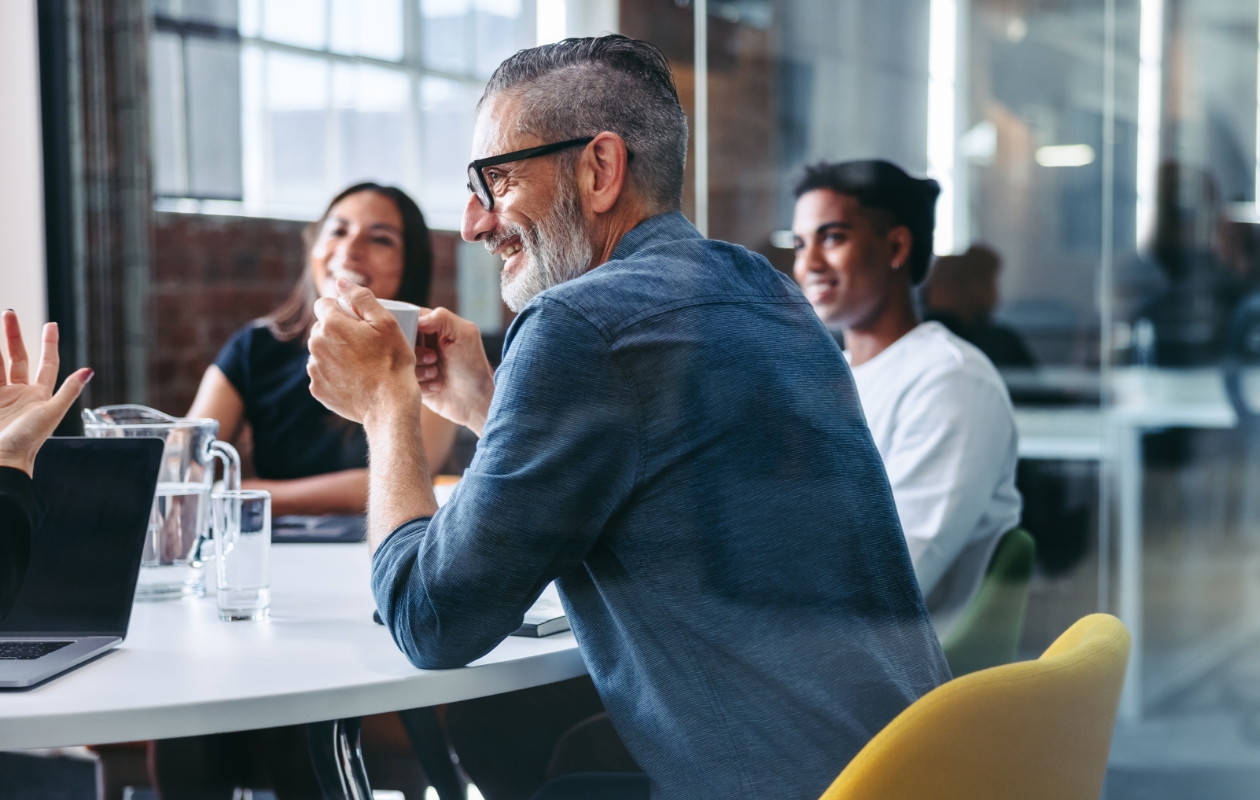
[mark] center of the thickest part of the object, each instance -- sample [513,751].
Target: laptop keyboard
[29,651]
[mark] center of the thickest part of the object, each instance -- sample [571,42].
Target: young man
[939,412]
[672,437]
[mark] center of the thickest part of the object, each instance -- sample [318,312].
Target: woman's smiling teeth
[509,251]
[350,275]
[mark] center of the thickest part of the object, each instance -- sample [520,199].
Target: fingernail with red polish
[89,375]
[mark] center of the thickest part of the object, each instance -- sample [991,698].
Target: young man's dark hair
[883,186]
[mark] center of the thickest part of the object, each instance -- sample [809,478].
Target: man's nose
[478,223]
[355,245]
[810,258]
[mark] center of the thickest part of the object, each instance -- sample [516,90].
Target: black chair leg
[429,743]
[337,759]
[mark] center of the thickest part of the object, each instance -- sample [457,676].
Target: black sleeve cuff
[18,496]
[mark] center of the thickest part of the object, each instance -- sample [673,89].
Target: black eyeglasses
[477,183]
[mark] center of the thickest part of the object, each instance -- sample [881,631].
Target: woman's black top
[20,511]
[294,435]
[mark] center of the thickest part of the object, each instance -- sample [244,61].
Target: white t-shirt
[943,423]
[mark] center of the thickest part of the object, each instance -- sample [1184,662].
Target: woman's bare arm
[342,492]
[346,492]
[218,399]
[439,437]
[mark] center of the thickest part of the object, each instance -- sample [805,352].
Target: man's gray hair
[582,87]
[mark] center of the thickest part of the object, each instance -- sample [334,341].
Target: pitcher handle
[231,463]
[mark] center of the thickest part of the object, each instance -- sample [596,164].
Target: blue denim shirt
[676,439]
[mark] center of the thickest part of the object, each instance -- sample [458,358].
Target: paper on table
[442,493]
[545,616]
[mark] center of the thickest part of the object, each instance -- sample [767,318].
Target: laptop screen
[85,554]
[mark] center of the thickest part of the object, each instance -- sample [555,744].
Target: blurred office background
[1099,166]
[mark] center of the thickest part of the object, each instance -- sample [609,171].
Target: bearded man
[672,436]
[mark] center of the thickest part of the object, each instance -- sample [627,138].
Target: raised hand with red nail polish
[29,409]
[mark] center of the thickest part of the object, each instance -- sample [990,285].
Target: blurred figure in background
[1185,323]
[961,293]
[938,410]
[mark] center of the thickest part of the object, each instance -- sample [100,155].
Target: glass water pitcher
[178,532]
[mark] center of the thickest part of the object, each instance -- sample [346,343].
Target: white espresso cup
[408,317]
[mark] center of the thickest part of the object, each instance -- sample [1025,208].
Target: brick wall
[213,274]
[743,114]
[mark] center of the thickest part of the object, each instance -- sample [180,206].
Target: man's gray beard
[557,249]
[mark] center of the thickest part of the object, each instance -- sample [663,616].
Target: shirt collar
[668,227]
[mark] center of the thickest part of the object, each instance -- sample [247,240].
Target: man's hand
[362,369]
[455,378]
[360,366]
[29,412]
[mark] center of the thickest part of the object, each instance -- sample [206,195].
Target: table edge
[424,688]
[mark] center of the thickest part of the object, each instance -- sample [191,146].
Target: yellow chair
[1036,730]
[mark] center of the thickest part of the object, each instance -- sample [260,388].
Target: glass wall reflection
[1098,238]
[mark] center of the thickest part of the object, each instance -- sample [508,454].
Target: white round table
[182,672]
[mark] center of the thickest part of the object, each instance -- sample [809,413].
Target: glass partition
[1098,160]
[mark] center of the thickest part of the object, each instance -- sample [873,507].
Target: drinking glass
[242,544]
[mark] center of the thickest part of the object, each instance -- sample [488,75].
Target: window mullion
[332,150]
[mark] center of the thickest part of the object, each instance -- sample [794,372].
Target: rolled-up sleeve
[558,458]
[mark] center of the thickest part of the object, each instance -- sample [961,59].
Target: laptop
[75,602]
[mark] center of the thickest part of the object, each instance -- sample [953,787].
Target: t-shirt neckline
[917,330]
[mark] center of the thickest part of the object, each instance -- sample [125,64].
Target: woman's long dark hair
[294,318]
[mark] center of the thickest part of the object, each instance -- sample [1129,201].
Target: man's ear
[900,243]
[604,164]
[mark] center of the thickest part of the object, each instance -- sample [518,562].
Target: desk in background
[1143,400]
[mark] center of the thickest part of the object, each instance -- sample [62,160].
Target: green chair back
[988,632]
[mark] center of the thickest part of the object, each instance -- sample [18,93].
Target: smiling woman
[311,460]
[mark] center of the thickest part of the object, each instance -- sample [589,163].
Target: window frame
[258,196]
